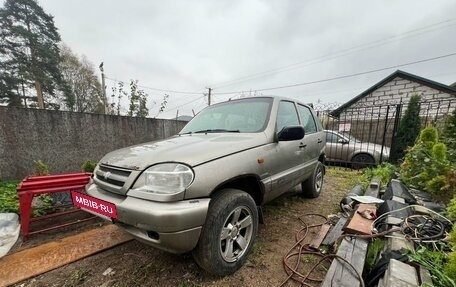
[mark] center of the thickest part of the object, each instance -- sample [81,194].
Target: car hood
[192,149]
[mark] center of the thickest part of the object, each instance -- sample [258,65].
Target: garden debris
[318,239]
[397,188]
[374,187]
[368,214]
[9,231]
[358,223]
[109,272]
[347,204]
[353,251]
[399,274]
[335,232]
[366,199]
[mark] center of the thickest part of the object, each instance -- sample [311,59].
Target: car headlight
[165,178]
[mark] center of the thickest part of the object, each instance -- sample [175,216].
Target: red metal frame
[35,185]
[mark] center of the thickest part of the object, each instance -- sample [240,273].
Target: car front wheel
[311,188]
[228,234]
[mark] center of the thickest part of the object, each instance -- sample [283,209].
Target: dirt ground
[136,264]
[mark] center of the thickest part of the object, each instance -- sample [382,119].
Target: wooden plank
[340,274]
[316,241]
[374,187]
[335,232]
[359,224]
[34,261]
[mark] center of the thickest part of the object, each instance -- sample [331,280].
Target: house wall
[374,117]
[64,140]
[399,90]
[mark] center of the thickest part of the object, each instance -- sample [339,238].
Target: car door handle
[301,145]
[319,141]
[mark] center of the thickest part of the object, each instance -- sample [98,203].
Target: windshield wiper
[187,133]
[217,131]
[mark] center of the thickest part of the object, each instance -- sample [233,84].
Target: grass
[257,250]
[435,261]
[188,284]
[373,251]
[76,278]
[347,178]
[140,274]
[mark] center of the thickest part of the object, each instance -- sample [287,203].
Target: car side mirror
[291,133]
[342,141]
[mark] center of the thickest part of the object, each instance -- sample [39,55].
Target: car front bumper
[171,226]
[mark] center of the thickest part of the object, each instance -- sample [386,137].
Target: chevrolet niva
[201,189]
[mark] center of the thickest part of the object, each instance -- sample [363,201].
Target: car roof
[277,98]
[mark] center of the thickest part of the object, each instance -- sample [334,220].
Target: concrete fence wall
[64,140]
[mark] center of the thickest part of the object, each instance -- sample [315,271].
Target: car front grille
[112,178]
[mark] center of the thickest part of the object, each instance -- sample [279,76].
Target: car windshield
[243,116]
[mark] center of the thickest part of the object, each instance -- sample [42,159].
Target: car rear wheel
[228,234]
[311,188]
[362,160]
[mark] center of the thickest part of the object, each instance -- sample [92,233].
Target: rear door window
[307,119]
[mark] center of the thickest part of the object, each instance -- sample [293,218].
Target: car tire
[362,160]
[311,188]
[228,234]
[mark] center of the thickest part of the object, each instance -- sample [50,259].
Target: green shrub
[450,268]
[41,168]
[9,201]
[88,166]
[427,167]
[435,260]
[452,238]
[449,135]
[451,210]
[429,136]
[384,171]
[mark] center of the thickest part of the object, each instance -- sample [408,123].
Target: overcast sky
[192,45]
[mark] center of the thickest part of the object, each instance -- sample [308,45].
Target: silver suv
[199,190]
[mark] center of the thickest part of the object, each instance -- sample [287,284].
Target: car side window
[332,138]
[307,119]
[286,115]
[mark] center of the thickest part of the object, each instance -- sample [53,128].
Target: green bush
[452,238]
[427,167]
[384,171]
[450,268]
[9,201]
[451,210]
[41,168]
[449,135]
[88,166]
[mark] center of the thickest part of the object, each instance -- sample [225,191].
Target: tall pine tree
[29,52]
[409,129]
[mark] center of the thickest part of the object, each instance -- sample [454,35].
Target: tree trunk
[39,94]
